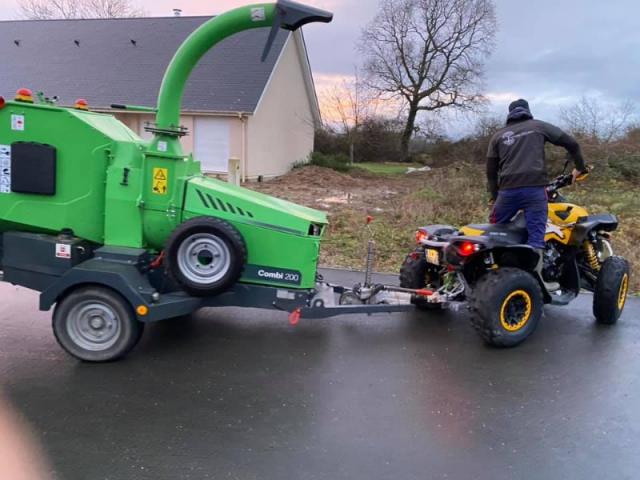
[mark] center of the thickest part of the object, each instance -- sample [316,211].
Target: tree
[429,53]
[590,118]
[348,104]
[52,9]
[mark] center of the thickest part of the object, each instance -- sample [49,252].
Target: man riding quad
[517,172]
[539,249]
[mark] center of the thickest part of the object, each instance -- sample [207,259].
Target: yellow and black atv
[498,274]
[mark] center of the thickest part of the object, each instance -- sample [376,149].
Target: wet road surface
[239,394]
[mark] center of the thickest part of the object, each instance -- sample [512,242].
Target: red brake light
[468,248]
[421,236]
[2,102]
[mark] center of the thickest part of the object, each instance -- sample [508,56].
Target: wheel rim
[624,289]
[93,325]
[516,311]
[204,258]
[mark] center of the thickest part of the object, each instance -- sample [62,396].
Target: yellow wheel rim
[624,289]
[516,311]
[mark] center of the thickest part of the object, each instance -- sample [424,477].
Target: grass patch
[387,168]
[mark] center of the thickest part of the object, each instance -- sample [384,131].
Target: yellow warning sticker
[160,181]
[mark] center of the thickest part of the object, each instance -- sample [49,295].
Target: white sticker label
[258,14]
[17,123]
[162,146]
[63,250]
[5,168]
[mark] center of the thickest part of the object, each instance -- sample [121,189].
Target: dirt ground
[331,191]
[399,203]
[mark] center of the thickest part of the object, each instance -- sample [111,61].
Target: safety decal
[5,168]
[63,250]
[17,123]
[160,181]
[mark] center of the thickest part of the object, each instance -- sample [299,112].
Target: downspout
[244,163]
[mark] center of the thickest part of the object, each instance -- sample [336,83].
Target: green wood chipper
[116,231]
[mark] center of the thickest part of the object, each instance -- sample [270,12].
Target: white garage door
[211,143]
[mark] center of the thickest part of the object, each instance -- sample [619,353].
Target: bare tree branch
[52,9]
[430,53]
[591,119]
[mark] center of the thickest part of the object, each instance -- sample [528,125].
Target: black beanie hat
[519,103]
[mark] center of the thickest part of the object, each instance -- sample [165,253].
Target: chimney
[177,12]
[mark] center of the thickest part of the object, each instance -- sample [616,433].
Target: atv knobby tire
[506,306]
[206,255]
[611,290]
[413,274]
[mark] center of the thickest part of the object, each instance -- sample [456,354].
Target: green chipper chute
[68,169]
[117,232]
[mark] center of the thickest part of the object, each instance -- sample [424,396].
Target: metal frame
[127,272]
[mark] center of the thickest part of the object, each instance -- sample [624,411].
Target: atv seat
[514,232]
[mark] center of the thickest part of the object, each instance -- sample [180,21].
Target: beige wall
[136,122]
[281,131]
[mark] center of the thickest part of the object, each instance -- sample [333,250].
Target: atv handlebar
[564,180]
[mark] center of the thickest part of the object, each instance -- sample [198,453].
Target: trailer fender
[123,279]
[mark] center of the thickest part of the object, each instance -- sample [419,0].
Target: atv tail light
[468,248]
[421,236]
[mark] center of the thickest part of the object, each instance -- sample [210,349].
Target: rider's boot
[550,286]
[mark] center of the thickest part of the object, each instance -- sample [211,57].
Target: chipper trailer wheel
[206,255]
[611,291]
[506,306]
[96,324]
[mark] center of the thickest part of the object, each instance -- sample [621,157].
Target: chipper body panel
[105,185]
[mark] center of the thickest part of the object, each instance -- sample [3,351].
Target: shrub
[339,162]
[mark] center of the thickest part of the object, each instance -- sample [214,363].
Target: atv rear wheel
[414,274]
[611,290]
[506,306]
[206,255]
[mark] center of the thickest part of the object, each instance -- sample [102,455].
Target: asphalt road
[240,394]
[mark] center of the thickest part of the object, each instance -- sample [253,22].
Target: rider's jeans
[534,202]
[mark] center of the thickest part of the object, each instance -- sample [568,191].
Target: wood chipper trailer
[116,231]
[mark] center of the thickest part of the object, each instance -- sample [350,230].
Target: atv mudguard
[602,222]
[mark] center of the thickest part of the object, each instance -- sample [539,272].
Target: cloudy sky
[548,51]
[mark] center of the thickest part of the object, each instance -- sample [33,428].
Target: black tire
[202,273]
[611,291]
[506,306]
[114,334]
[413,274]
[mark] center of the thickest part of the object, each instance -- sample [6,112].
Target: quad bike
[493,269]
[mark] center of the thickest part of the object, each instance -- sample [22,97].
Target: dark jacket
[516,156]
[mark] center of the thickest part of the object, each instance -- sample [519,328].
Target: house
[235,106]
